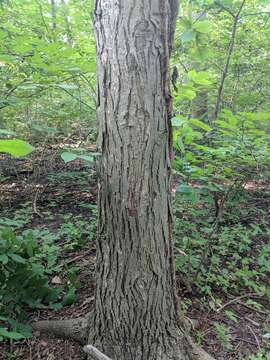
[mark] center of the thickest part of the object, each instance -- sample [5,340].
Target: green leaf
[199,78]
[38,269]
[70,297]
[68,156]
[15,147]
[56,306]
[203,27]
[188,35]
[231,315]
[260,116]
[86,158]
[200,124]
[225,125]
[6,59]
[188,93]
[17,258]
[4,259]
[11,334]
[201,54]
[202,79]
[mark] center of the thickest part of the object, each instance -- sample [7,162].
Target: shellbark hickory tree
[136,312]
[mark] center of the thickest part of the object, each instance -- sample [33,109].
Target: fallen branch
[77,257]
[246,340]
[255,336]
[236,300]
[252,321]
[95,353]
[75,329]
[252,308]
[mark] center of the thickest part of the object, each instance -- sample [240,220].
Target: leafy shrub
[222,158]
[24,269]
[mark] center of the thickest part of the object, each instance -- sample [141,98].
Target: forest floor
[43,192]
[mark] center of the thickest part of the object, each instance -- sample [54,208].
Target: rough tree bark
[136,310]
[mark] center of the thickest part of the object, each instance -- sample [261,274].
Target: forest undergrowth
[222,270]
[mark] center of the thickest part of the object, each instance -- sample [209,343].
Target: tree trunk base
[178,351]
[78,329]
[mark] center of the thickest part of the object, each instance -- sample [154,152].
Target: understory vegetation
[220,173]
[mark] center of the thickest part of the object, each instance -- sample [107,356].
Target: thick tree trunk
[136,310]
[136,314]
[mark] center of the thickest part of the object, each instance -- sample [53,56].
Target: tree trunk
[136,316]
[200,105]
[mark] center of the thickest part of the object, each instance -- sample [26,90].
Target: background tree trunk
[200,105]
[136,313]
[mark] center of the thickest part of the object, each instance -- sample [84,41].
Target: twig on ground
[35,204]
[255,336]
[246,340]
[236,300]
[252,321]
[252,308]
[78,257]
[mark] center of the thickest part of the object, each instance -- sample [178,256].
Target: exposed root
[75,329]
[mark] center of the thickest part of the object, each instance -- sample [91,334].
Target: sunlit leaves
[40,63]
[200,124]
[200,78]
[15,147]
[188,93]
[203,27]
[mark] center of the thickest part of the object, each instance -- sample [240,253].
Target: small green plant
[262,355]
[20,218]
[200,337]
[77,231]
[223,334]
[77,177]
[214,258]
[74,234]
